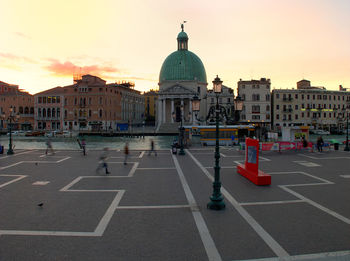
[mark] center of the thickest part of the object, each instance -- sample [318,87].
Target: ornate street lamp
[217,200]
[11,118]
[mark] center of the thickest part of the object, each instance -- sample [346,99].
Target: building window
[256,109]
[277,107]
[256,117]
[296,96]
[199,89]
[302,115]
[296,116]
[267,107]
[296,106]
[267,97]
[40,99]
[277,96]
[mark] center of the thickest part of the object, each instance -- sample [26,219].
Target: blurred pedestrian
[152,149]
[304,141]
[103,161]
[126,152]
[320,143]
[83,146]
[49,147]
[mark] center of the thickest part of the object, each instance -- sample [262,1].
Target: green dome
[182,36]
[182,65]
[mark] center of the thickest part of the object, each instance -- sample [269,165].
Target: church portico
[171,109]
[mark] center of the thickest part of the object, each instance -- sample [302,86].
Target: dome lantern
[182,40]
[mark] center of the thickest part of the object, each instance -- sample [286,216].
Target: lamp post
[347,132]
[216,199]
[182,129]
[11,118]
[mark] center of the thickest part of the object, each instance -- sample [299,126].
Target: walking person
[103,161]
[83,146]
[126,152]
[152,149]
[319,144]
[49,147]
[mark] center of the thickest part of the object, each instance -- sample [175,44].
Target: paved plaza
[154,208]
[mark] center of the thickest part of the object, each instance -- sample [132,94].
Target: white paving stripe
[208,242]
[34,161]
[271,202]
[322,158]
[154,207]
[334,256]
[16,154]
[345,176]
[313,203]
[19,177]
[266,237]
[307,163]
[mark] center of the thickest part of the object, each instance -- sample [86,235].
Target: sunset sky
[44,42]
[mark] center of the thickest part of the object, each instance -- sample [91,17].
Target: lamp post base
[216,203]
[182,152]
[10,152]
[346,148]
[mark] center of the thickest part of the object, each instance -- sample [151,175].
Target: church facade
[182,76]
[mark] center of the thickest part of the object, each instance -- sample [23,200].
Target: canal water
[92,142]
[98,143]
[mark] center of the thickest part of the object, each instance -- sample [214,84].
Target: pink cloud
[13,57]
[68,68]
[22,35]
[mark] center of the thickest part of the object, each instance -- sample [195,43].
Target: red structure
[250,169]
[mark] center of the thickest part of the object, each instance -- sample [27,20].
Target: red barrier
[250,169]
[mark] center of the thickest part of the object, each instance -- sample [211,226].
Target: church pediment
[177,89]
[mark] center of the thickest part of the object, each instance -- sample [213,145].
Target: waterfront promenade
[154,208]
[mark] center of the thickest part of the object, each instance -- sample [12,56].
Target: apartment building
[151,99]
[310,106]
[16,102]
[256,101]
[89,104]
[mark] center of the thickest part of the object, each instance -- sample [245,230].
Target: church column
[183,111]
[164,112]
[190,110]
[172,110]
[159,114]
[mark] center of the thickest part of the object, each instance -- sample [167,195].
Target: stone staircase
[169,128]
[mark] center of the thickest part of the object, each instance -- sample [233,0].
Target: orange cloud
[68,68]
